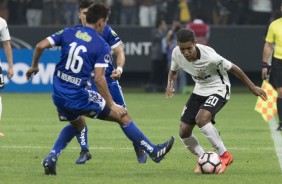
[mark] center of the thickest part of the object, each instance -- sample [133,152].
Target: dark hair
[85,4]
[185,35]
[96,12]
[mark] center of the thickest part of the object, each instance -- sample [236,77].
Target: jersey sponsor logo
[83,36]
[201,78]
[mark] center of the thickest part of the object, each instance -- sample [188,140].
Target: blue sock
[66,135]
[82,139]
[138,138]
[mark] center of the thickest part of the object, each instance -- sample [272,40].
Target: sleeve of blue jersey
[103,53]
[57,37]
[110,36]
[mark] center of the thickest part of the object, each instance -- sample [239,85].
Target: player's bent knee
[184,132]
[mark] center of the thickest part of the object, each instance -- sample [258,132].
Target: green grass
[30,125]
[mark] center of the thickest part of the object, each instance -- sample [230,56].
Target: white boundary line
[126,148]
[277,139]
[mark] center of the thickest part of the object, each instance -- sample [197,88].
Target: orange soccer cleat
[198,169]
[226,159]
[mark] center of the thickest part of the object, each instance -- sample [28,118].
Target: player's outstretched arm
[172,75]
[39,49]
[8,51]
[243,77]
[103,89]
[119,52]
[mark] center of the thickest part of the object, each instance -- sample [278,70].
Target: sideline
[277,139]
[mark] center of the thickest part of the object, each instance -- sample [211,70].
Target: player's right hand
[259,92]
[116,75]
[30,72]
[169,92]
[121,111]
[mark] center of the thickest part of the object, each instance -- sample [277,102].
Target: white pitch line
[277,139]
[125,148]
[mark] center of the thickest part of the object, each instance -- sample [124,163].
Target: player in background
[201,30]
[273,42]
[211,92]
[5,38]
[82,51]
[112,77]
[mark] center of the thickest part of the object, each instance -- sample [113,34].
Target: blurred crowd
[143,12]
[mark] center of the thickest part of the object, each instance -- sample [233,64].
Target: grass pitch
[30,125]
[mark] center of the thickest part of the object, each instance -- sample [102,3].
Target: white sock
[212,135]
[192,144]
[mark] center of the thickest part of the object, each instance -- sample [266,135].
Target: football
[210,163]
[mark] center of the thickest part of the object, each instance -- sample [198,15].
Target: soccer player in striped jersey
[82,51]
[112,76]
[211,92]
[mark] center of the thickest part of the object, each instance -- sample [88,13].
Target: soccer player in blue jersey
[82,51]
[112,77]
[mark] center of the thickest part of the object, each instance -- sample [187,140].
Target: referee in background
[273,42]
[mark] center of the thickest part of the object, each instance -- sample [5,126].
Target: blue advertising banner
[42,82]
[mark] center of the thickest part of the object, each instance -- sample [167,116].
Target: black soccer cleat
[279,128]
[141,155]
[163,149]
[83,157]
[49,164]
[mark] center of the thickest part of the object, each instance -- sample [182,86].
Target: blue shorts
[115,91]
[70,110]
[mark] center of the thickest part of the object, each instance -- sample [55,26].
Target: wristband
[264,65]
[120,69]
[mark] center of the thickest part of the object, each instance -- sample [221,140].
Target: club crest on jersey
[84,36]
[202,74]
[107,58]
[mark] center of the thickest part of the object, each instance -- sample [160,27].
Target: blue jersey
[82,49]
[113,40]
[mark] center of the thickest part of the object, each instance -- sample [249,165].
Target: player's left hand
[116,74]
[30,72]
[259,92]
